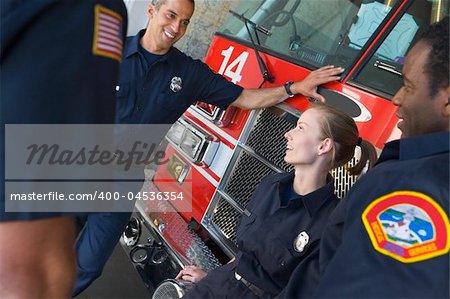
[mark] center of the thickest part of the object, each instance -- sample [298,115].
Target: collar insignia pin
[301,241]
[176,84]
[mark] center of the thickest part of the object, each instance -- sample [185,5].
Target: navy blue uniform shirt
[161,92]
[277,236]
[56,69]
[266,239]
[389,236]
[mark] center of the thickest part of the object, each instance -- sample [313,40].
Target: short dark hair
[437,37]
[158,3]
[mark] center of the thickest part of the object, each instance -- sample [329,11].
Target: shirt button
[283,263]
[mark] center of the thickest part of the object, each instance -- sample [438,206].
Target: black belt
[254,289]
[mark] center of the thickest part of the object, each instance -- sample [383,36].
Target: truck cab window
[311,32]
[382,72]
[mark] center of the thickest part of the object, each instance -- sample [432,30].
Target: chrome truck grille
[226,218]
[260,152]
[266,137]
[342,180]
[245,177]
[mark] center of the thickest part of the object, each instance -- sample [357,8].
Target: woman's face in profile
[305,139]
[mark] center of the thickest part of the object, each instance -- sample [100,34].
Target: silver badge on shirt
[301,241]
[176,84]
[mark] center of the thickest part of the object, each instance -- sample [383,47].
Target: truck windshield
[310,31]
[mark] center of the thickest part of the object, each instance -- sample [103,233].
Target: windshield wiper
[262,66]
[246,20]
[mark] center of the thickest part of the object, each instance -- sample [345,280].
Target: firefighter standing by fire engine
[289,211]
[50,66]
[157,84]
[391,236]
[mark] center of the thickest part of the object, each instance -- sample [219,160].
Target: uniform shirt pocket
[124,102]
[282,257]
[173,104]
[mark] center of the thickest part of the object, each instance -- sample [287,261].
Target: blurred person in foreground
[55,69]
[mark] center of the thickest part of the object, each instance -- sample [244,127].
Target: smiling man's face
[167,24]
[418,111]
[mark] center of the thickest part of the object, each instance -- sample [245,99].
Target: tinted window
[312,31]
[382,73]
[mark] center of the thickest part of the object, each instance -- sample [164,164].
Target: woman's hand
[192,274]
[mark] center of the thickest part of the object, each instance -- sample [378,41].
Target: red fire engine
[217,157]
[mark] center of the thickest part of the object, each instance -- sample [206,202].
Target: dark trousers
[96,244]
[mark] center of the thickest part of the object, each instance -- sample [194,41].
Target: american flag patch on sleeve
[107,33]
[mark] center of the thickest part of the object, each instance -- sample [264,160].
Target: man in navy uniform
[390,236]
[54,70]
[157,85]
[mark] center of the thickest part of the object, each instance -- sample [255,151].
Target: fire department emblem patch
[407,226]
[176,84]
[107,33]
